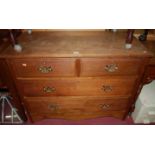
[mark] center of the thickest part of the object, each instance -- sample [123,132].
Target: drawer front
[43,67]
[71,104]
[101,66]
[77,87]
[79,116]
[66,106]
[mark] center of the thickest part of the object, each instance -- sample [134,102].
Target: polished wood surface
[103,66]
[77,74]
[151,71]
[72,67]
[66,107]
[79,115]
[90,43]
[63,104]
[44,67]
[77,86]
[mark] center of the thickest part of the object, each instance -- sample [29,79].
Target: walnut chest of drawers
[76,74]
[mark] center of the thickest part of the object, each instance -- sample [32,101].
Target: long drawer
[111,66]
[77,107]
[77,86]
[73,104]
[43,67]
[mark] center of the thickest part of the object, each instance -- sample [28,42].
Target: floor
[98,121]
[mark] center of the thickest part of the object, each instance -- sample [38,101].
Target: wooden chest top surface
[69,43]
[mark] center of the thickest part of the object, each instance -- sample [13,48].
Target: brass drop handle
[111,68]
[105,106]
[53,107]
[49,89]
[45,69]
[106,88]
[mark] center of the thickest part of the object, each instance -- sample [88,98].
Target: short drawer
[111,66]
[60,107]
[77,87]
[43,67]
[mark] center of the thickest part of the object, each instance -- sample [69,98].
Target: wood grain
[76,74]
[85,104]
[79,116]
[31,67]
[97,66]
[77,86]
[76,44]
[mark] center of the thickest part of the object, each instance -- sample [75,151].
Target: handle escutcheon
[45,69]
[105,106]
[111,68]
[53,107]
[106,88]
[49,89]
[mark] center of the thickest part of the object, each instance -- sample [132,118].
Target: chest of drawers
[76,74]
